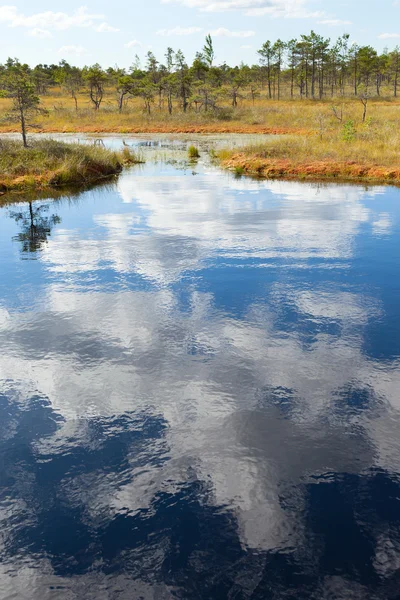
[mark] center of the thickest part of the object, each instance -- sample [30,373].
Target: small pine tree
[20,88]
[208,51]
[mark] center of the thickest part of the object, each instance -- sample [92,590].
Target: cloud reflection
[177,434]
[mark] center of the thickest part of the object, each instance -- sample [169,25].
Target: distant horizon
[94,33]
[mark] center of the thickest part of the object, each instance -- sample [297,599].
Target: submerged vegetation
[50,163]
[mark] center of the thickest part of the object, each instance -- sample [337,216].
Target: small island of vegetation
[50,163]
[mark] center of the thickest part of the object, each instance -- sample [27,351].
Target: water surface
[199,389]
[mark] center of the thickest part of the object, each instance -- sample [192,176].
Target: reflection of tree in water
[35,226]
[181,541]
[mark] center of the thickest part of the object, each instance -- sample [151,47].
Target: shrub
[349,131]
[224,114]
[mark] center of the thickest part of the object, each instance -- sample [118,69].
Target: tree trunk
[355,78]
[306,78]
[269,81]
[121,101]
[279,84]
[292,84]
[23,128]
[313,79]
[321,84]
[96,96]
[234,102]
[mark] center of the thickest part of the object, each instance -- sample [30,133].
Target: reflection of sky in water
[199,392]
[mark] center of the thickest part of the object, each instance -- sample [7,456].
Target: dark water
[200,391]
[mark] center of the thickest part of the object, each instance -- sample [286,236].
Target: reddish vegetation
[25,181]
[165,128]
[286,169]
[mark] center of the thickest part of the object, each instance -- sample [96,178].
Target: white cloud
[7,13]
[334,22]
[273,8]
[40,33]
[72,51]
[106,28]
[222,32]
[179,31]
[246,47]
[389,36]
[133,44]
[50,20]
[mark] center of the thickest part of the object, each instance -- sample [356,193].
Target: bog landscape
[332,105]
[200,300]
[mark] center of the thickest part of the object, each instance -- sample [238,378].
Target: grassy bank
[349,151]
[262,116]
[49,163]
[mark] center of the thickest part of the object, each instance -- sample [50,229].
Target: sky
[113,32]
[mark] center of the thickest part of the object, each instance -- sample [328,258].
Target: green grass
[193,152]
[54,163]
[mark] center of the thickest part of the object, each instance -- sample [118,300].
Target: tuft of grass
[53,163]
[131,158]
[223,154]
[193,152]
[239,171]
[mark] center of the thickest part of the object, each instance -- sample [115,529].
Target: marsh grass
[54,163]
[193,152]
[265,115]
[350,150]
[131,157]
[363,146]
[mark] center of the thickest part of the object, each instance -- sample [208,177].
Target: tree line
[311,67]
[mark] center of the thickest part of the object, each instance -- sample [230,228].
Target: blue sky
[113,32]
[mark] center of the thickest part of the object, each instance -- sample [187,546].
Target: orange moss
[317,169]
[164,128]
[24,182]
[49,179]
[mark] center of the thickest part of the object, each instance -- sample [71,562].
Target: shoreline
[48,181]
[242,163]
[312,170]
[49,164]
